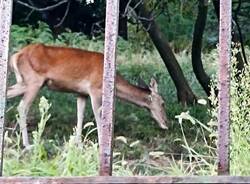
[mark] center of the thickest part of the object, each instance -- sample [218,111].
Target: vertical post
[5,22]
[224,86]
[107,119]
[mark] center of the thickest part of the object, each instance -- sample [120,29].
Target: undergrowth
[48,158]
[188,147]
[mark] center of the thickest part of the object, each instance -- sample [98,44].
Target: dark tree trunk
[235,38]
[123,21]
[184,92]
[199,27]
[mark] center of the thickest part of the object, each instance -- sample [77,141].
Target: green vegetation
[240,128]
[186,148]
[48,158]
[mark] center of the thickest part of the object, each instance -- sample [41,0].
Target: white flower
[89,1]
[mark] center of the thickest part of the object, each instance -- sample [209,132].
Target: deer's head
[156,105]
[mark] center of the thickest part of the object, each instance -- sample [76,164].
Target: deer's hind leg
[16,90]
[23,109]
[32,88]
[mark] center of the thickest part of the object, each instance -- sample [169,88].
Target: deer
[76,71]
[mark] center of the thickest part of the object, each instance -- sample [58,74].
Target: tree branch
[42,9]
[239,30]
[64,16]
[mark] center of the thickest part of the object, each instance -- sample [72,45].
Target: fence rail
[108,101]
[116,179]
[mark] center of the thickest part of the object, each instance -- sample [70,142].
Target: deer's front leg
[96,101]
[81,104]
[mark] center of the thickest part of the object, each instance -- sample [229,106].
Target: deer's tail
[14,66]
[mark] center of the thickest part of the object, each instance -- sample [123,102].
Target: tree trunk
[184,92]
[235,38]
[199,27]
[123,21]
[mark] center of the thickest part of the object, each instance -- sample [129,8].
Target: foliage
[47,158]
[202,156]
[240,128]
[132,64]
[240,108]
[23,35]
[187,148]
[176,21]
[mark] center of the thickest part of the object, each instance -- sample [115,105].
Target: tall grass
[141,148]
[239,122]
[48,158]
[240,116]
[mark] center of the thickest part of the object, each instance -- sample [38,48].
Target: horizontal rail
[117,179]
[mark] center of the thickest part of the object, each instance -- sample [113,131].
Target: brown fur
[73,70]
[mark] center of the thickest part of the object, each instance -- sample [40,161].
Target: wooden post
[107,119]
[224,86]
[5,22]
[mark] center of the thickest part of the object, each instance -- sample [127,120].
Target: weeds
[141,148]
[240,116]
[47,158]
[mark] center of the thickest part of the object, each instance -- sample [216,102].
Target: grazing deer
[77,71]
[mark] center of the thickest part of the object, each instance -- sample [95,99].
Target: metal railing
[106,124]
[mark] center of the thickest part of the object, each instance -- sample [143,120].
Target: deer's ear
[153,85]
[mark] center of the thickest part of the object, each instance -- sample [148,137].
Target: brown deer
[76,71]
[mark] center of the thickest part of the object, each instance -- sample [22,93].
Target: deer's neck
[131,93]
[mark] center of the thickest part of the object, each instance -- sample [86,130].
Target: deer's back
[63,66]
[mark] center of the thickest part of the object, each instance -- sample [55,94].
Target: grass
[49,158]
[133,123]
[141,147]
[132,65]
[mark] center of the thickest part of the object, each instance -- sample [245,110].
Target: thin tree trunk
[123,21]
[199,27]
[235,38]
[184,92]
